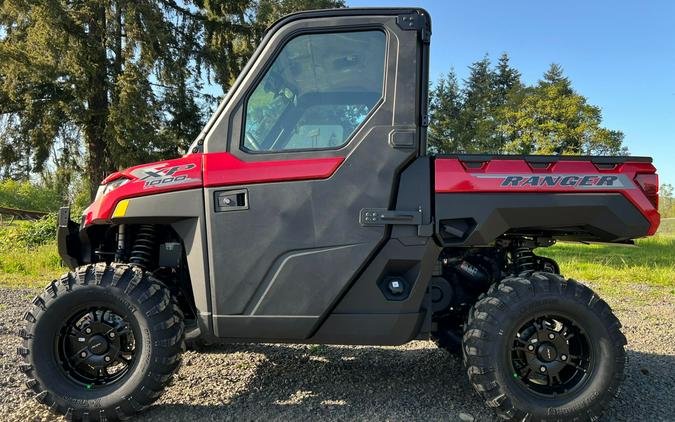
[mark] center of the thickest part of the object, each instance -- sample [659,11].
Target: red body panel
[186,173]
[199,170]
[452,176]
[223,169]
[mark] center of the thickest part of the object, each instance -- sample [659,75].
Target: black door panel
[278,267]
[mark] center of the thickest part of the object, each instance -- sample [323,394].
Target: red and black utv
[309,211]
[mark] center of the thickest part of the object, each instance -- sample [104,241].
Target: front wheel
[544,348]
[102,342]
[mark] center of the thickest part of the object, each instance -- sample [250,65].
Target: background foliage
[492,111]
[91,86]
[666,201]
[28,196]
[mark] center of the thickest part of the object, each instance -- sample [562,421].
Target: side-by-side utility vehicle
[309,211]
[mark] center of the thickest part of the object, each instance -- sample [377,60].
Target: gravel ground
[411,382]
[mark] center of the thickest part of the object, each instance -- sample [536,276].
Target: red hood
[197,170]
[147,179]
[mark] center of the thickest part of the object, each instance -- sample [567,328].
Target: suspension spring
[523,260]
[143,250]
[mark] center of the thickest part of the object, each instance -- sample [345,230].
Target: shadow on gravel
[372,383]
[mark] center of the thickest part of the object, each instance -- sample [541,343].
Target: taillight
[650,186]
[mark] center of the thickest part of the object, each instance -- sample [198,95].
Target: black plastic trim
[589,217]
[352,11]
[67,238]
[595,159]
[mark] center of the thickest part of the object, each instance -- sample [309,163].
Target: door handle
[382,216]
[231,200]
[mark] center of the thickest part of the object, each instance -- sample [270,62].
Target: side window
[319,89]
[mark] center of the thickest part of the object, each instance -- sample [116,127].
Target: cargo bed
[581,198]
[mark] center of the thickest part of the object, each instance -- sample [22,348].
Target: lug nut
[107,358]
[542,368]
[530,347]
[112,335]
[87,330]
[83,354]
[551,336]
[563,357]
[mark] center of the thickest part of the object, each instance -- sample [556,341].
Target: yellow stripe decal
[121,209]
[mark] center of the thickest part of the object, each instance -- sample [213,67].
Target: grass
[22,267]
[645,274]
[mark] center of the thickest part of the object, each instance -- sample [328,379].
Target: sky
[619,54]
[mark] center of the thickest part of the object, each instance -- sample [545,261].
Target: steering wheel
[253,144]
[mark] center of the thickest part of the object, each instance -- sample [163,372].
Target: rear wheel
[544,348]
[102,342]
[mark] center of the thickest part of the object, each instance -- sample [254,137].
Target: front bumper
[67,239]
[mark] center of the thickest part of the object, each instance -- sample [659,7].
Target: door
[318,130]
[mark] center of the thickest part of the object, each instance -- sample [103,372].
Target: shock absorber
[523,259]
[143,250]
[121,243]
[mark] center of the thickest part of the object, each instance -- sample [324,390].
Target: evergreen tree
[554,76]
[507,79]
[476,119]
[509,93]
[233,29]
[124,76]
[87,66]
[444,110]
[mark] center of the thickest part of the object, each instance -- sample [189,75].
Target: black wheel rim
[551,356]
[96,347]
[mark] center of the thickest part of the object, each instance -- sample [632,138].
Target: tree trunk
[98,165]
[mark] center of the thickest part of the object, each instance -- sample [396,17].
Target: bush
[28,252]
[28,234]
[28,196]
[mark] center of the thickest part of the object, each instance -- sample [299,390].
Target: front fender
[67,239]
[184,211]
[152,179]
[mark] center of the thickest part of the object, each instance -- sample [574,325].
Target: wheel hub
[96,347]
[98,344]
[551,355]
[547,352]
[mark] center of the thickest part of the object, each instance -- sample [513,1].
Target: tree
[233,29]
[553,119]
[494,112]
[509,94]
[666,200]
[87,68]
[124,76]
[476,120]
[554,76]
[467,119]
[506,80]
[444,111]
